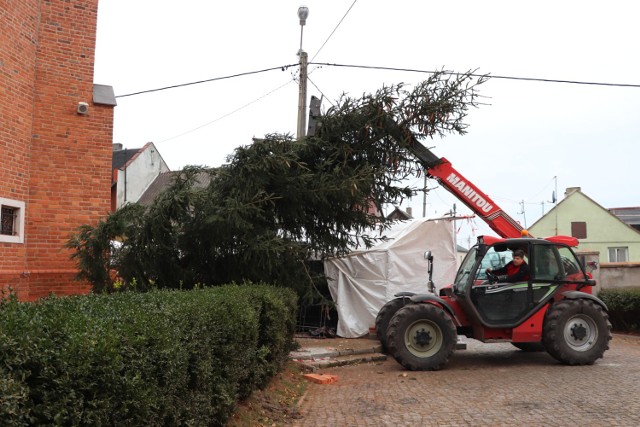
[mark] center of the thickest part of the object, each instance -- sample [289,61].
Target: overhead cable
[227,114]
[370,67]
[282,67]
[334,30]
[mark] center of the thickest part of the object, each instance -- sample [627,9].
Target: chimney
[117,147]
[571,190]
[410,211]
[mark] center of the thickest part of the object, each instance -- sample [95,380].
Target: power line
[334,30]
[322,93]
[535,79]
[323,44]
[285,67]
[369,67]
[282,67]
[228,114]
[539,192]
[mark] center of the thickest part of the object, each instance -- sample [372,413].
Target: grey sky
[586,135]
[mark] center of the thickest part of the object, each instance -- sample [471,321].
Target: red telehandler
[554,310]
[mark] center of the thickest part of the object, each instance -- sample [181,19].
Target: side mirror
[429,257]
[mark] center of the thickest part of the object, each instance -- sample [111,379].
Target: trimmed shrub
[158,358]
[624,308]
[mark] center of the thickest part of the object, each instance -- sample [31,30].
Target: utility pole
[555,201]
[303,13]
[424,198]
[523,213]
[455,232]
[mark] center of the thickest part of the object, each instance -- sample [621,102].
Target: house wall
[138,174]
[53,159]
[604,230]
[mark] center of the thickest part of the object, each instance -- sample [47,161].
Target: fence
[616,275]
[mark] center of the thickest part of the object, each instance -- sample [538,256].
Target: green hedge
[158,358]
[624,308]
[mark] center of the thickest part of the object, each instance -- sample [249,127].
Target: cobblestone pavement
[485,385]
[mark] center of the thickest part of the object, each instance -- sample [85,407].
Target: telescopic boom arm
[449,178]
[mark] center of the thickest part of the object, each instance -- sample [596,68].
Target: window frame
[18,225]
[617,249]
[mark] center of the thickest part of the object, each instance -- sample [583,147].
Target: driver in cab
[516,270]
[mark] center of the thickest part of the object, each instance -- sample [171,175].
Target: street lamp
[303,14]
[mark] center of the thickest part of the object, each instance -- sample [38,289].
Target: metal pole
[424,198]
[302,96]
[555,202]
[455,230]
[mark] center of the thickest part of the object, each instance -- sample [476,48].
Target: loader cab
[496,304]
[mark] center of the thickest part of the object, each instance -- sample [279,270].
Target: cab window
[493,260]
[462,277]
[570,265]
[545,263]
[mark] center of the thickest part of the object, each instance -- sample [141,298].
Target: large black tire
[421,337]
[384,317]
[576,331]
[529,347]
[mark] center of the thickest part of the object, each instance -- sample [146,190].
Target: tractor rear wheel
[421,337]
[576,331]
[384,317]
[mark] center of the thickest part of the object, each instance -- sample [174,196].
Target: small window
[579,230]
[11,221]
[618,254]
[8,220]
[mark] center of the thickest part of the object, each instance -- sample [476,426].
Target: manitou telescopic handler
[553,310]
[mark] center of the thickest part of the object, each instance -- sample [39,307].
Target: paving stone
[484,385]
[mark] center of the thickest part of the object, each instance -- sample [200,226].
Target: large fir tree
[280,203]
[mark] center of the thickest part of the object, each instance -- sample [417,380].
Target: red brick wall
[58,162]
[18,39]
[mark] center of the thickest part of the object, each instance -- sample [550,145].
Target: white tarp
[363,281]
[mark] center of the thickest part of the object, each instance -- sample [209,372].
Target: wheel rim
[423,338]
[580,332]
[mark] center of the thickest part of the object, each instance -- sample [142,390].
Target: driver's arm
[521,276]
[498,271]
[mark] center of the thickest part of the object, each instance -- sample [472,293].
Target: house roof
[576,190]
[119,160]
[630,215]
[398,213]
[121,157]
[164,180]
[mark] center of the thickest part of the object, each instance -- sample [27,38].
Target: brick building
[55,141]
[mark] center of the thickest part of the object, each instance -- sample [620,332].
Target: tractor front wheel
[421,337]
[384,317]
[576,331]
